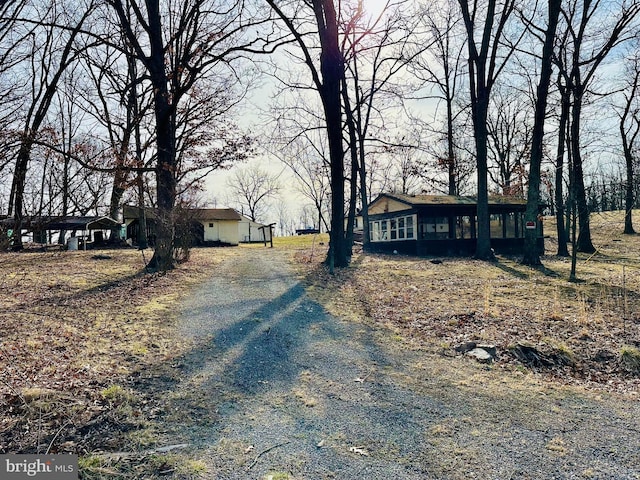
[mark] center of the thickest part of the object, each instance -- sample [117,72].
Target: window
[211,225]
[434,228]
[401,228]
[374,231]
[384,231]
[410,227]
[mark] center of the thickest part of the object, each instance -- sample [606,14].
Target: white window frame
[396,229]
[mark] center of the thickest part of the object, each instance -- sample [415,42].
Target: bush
[630,358]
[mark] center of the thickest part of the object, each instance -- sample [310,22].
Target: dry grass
[75,326]
[585,329]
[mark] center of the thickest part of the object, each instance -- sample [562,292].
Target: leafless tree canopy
[123,101]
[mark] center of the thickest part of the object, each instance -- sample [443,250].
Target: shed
[220,225]
[445,224]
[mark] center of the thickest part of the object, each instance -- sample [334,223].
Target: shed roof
[217,214]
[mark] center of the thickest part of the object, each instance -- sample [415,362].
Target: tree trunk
[531,250]
[483,240]
[563,249]
[628,141]
[17,190]
[584,243]
[451,158]
[165,141]
[65,197]
[166,186]
[332,69]
[354,151]
[363,197]
[628,198]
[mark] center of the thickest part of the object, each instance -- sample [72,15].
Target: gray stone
[465,347]
[490,349]
[481,355]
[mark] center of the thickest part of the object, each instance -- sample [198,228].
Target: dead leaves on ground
[72,324]
[579,329]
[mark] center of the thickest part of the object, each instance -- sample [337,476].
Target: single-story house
[445,224]
[220,225]
[209,226]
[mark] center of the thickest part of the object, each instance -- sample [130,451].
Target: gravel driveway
[276,387]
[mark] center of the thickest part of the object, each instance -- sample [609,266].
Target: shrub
[630,357]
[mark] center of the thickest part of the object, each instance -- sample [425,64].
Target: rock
[482,352]
[490,349]
[481,355]
[465,347]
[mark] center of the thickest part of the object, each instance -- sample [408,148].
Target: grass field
[585,332]
[76,325]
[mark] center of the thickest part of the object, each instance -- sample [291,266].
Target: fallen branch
[56,436]
[361,380]
[255,460]
[117,456]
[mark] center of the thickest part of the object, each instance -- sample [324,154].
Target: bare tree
[559,197]
[327,76]
[593,30]
[509,132]
[629,127]
[178,45]
[14,40]
[442,68]
[531,251]
[253,187]
[378,52]
[114,99]
[488,56]
[53,51]
[307,159]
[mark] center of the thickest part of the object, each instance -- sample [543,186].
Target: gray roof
[69,222]
[450,199]
[201,214]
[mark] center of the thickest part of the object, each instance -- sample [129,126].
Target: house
[209,226]
[219,225]
[445,224]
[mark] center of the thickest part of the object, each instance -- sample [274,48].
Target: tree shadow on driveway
[274,383]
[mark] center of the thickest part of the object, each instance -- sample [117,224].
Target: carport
[84,225]
[39,225]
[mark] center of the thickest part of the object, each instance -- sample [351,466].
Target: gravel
[275,386]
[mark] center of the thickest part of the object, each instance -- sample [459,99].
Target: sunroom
[445,224]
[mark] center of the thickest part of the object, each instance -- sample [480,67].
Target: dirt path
[276,386]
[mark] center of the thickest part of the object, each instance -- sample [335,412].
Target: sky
[217,193]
